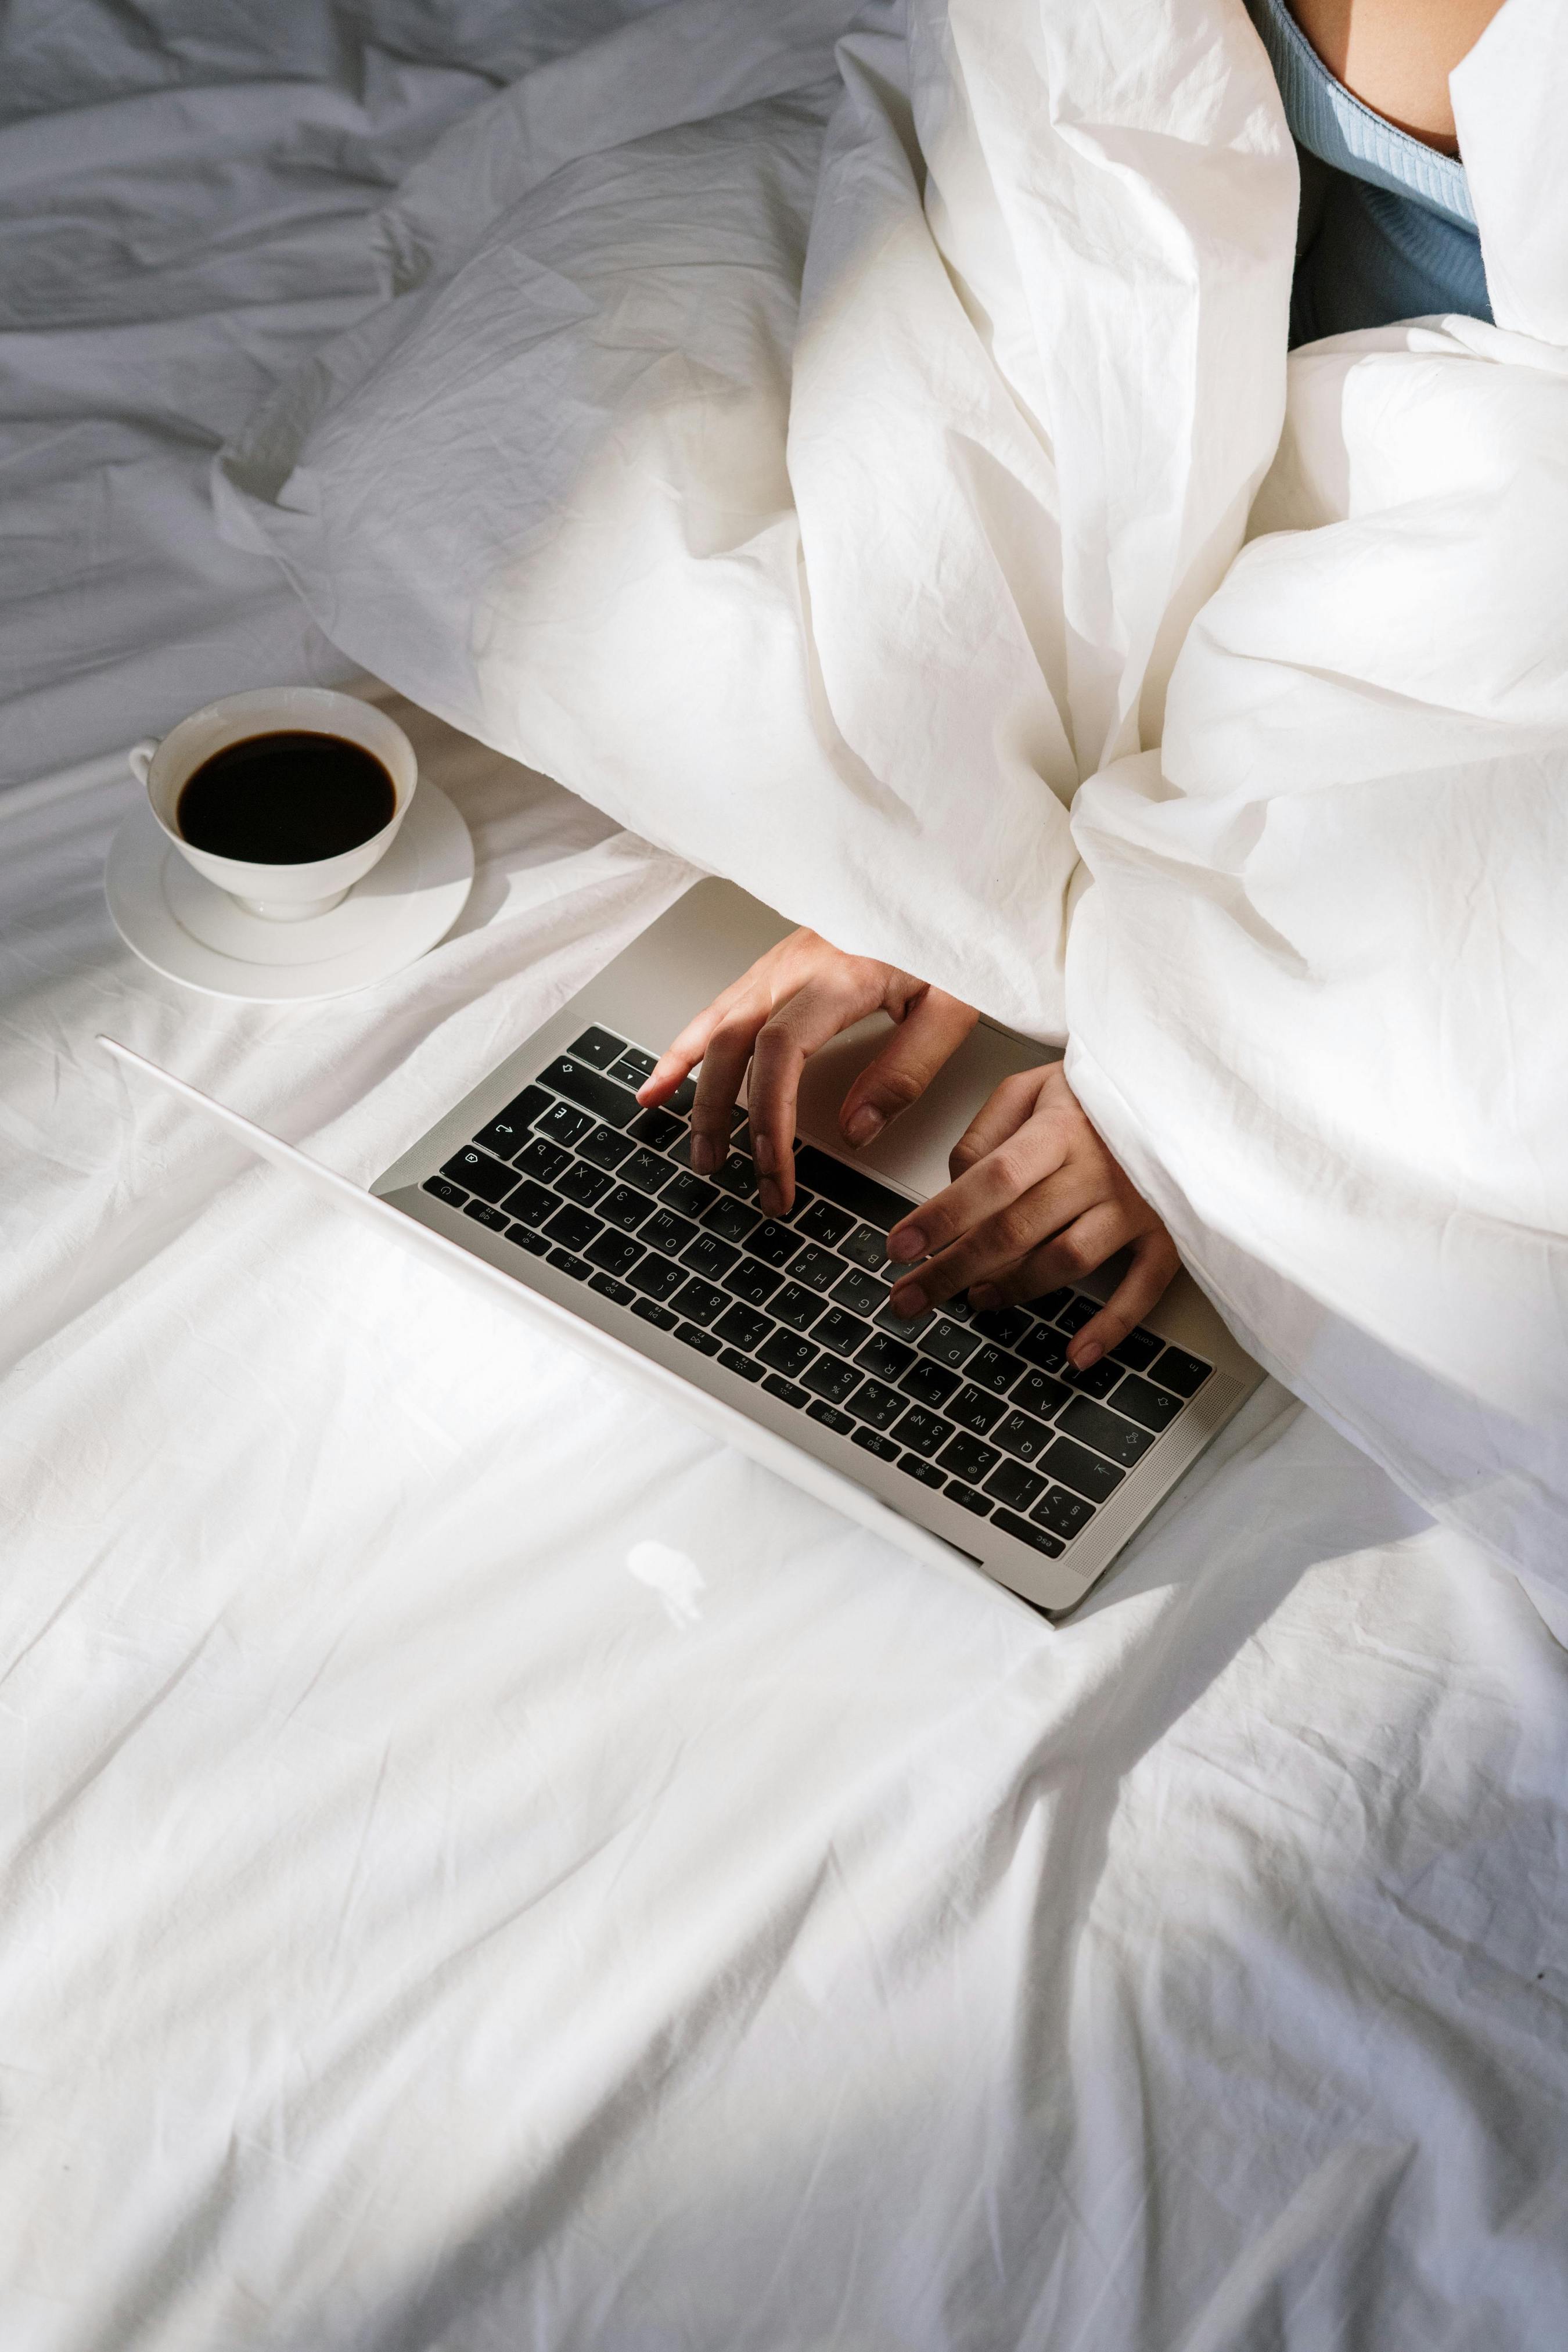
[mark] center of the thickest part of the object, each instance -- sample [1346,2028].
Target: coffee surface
[286,799]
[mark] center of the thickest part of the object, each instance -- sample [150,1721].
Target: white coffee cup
[282,894]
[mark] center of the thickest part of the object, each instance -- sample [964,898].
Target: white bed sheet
[483,1864]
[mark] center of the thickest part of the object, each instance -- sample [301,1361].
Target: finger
[993,1187]
[681,1055]
[1067,1257]
[1002,1114]
[719,1083]
[933,1027]
[999,1243]
[805,1021]
[1154,1262]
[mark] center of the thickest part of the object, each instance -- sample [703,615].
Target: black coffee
[286,799]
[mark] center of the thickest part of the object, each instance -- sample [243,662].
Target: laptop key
[1011,1484]
[706,1254]
[865,1246]
[886,1358]
[657,1277]
[605,1148]
[928,1383]
[1050,1303]
[1037,1393]
[1022,1532]
[742,1326]
[823,1222]
[439,1190]
[483,1214]
[1097,1382]
[572,1228]
[1084,1471]
[657,1127]
[922,1432]
[831,1379]
[831,1418]
[902,1327]
[1045,1349]
[1022,1436]
[774,1243]
[634,1067]
[530,1204]
[608,1287]
[971,1498]
[1005,1325]
[784,1353]
[815,1267]
[701,1302]
[612,1253]
[851,1190]
[733,1361]
[1137,1351]
[564,1125]
[665,1231]
[1094,1424]
[882,1447]
[1066,1515]
[993,1368]
[683,1097]
[575,1267]
[624,1206]
[753,1281]
[615,1105]
[507,1131]
[965,1457]
[1177,1370]
[477,1172]
[582,1183]
[976,1409]
[843,1333]
[647,1172]
[692,1336]
[540,1160]
[926,1472]
[1078,1311]
[688,1193]
[786,1391]
[878,1405]
[534,1243]
[729,1219]
[1139,1397]
[652,1312]
[857,1290]
[598,1046]
[795,1305]
[737,1175]
[948,1342]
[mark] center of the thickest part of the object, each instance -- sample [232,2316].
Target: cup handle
[141,756]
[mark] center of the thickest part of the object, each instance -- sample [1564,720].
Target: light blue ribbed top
[1393,231]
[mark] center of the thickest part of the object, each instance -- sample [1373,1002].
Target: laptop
[965,1432]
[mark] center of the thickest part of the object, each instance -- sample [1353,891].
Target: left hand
[1038,1201]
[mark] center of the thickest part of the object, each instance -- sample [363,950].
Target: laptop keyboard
[983,1408]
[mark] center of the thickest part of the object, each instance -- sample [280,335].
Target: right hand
[796,998]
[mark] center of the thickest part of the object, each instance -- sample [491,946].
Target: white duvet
[844,488]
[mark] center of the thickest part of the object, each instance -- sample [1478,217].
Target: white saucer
[192,933]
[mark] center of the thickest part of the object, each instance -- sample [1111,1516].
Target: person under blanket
[1386,232]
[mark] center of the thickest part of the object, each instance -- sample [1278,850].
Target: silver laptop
[968,1428]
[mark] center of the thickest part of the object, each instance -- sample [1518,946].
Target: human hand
[792,1000]
[1037,1201]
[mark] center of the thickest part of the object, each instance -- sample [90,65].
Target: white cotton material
[847,491]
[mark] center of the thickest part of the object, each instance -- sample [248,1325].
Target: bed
[484,1864]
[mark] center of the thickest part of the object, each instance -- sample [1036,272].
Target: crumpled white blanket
[848,603]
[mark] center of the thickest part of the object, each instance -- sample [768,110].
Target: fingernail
[985,1296]
[1090,1353]
[909,1300]
[866,1124]
[907,1242]
[770,1195]
[763,1153]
